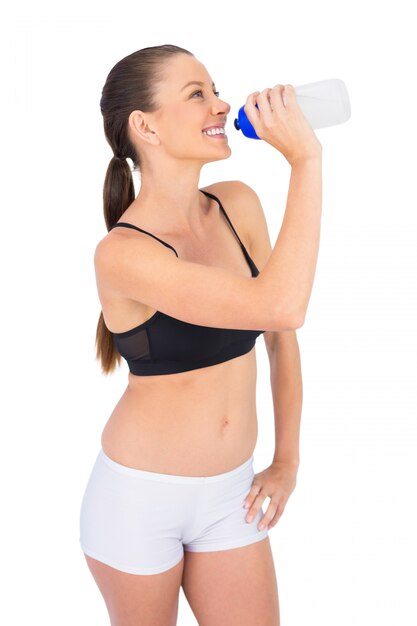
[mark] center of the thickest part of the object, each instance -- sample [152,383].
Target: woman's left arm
[278,481]
[287,393]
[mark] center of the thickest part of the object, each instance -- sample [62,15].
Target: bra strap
[143,231]
[227,217]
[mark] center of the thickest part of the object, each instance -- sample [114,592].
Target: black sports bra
[166,345]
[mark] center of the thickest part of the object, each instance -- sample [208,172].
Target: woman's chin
[224,154]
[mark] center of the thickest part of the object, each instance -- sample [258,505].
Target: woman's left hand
[276,482]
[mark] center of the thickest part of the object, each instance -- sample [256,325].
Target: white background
[345,548]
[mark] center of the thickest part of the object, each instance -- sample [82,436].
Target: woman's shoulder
[234,189]
[240,202]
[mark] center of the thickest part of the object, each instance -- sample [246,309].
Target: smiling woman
[187,281]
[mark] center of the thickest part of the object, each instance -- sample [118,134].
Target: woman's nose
[221,106]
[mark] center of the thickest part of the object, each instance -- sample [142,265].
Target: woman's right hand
[284,126]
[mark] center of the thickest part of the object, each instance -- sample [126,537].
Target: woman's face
[187,109]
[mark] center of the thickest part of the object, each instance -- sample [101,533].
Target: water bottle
[324,103]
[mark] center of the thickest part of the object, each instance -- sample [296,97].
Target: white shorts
[141,522]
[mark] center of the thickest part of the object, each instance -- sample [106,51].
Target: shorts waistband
[171,478]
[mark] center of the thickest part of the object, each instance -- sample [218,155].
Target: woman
[183,301]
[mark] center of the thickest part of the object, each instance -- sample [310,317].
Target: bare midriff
[196,423]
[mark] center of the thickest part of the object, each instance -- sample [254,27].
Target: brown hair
[131,85]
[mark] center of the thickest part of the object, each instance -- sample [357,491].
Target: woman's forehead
[185,69]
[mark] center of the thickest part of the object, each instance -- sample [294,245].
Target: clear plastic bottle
[324,103]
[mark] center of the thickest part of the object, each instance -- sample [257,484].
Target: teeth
[214,131]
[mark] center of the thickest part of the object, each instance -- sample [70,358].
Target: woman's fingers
[264,104]
[277,98]
[252,113]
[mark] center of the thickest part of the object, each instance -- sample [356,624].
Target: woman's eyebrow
[195,82]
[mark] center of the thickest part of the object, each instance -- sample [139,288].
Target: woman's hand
[276,482]
[284,126]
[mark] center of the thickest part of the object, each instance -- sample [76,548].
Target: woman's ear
[139,125]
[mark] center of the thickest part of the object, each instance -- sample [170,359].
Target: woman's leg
[132,599]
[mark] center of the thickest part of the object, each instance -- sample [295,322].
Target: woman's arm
[140,269]
[287,393]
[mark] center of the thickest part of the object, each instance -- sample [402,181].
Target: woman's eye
[216,93]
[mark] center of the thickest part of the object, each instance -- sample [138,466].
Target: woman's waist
[181,440]
[186,456]
[176,416]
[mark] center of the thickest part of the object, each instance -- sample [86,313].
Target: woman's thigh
[132,599]
[230,587]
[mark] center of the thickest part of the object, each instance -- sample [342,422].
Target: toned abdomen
[197,423]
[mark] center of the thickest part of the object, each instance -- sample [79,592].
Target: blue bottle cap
[242,123]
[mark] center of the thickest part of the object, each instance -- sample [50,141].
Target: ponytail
[118,194]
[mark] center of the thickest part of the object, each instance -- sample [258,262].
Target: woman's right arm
[290,269]
[289,272]
[143,270]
